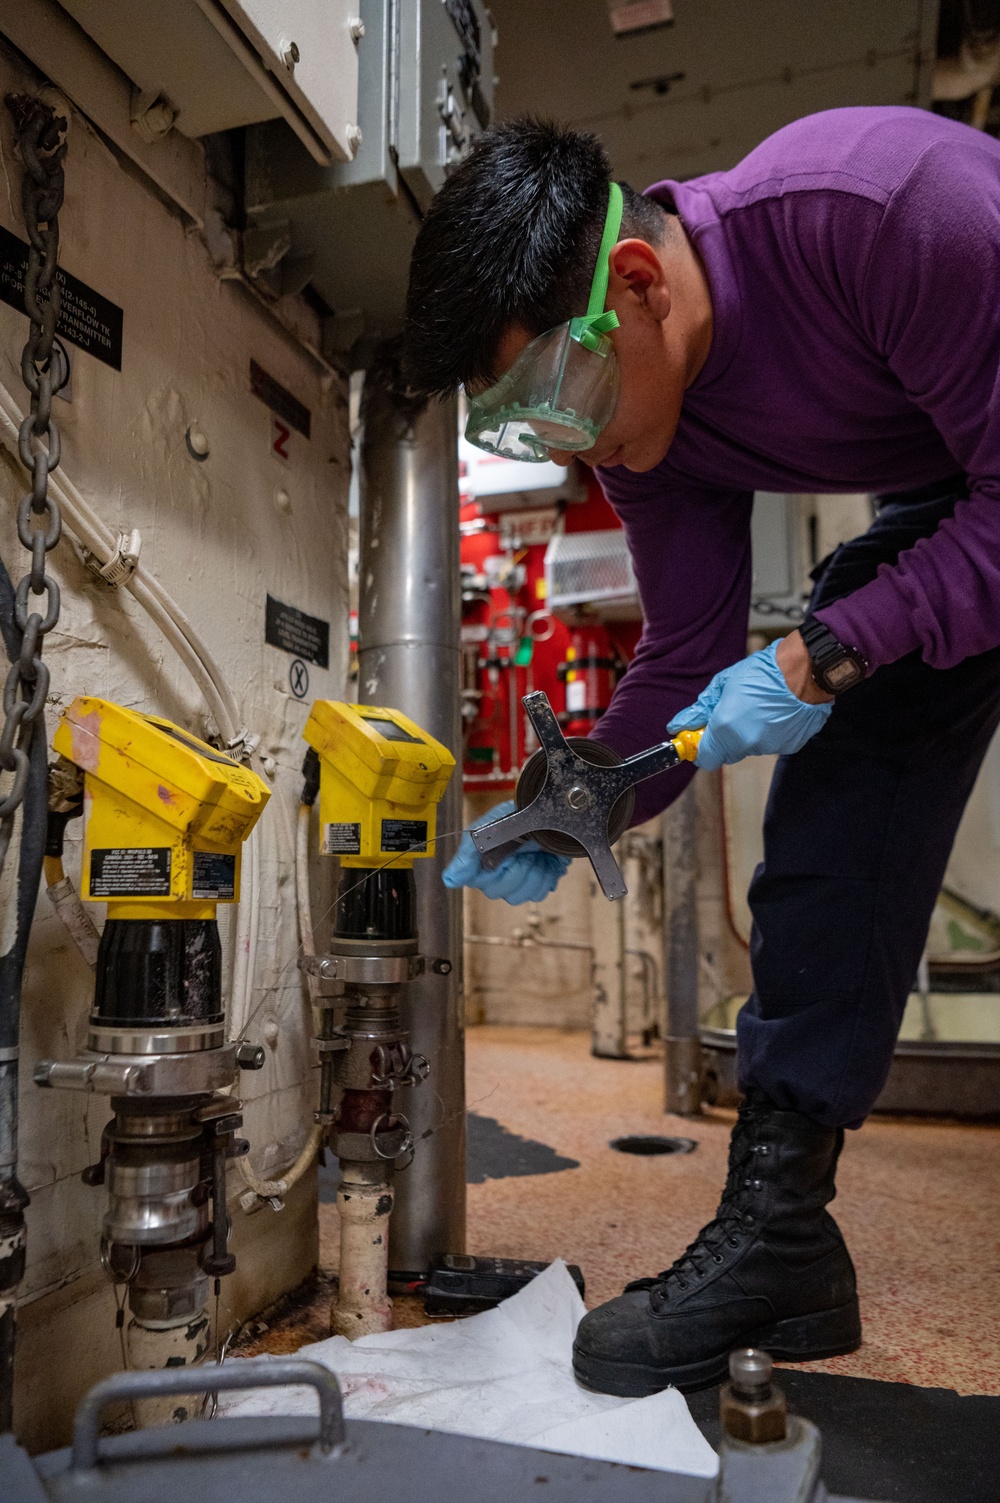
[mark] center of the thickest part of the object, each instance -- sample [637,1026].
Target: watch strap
[835,667]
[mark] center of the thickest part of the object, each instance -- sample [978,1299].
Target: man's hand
[792,657]
[526,876]
[754,707]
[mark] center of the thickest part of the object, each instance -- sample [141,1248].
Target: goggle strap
[589,330]
[612,224]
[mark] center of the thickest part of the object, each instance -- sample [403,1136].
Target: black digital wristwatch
[834,666]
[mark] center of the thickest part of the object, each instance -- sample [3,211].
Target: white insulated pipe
[364,1205]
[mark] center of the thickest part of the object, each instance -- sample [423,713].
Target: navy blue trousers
[857,834]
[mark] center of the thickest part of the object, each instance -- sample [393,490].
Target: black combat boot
[771,1271]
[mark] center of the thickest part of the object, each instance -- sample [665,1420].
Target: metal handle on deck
[244,1373]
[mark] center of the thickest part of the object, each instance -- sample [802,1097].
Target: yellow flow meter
[165,814]
[165,817]
[381,778]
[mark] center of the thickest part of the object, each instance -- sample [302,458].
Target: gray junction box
[425,90]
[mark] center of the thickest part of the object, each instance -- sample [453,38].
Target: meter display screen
[390,730]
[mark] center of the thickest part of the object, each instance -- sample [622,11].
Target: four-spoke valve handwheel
[576,796]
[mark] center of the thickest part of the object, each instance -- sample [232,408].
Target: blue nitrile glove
[527,876]
[749,711]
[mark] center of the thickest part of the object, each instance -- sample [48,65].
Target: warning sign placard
[86,318]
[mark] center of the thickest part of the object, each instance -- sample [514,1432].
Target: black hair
[511,238]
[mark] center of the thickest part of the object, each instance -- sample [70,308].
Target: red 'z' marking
[282,435]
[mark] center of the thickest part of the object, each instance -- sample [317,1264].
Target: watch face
[842,675]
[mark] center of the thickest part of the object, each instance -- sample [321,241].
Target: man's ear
[636,271]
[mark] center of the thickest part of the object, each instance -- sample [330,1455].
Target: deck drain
[648,1146]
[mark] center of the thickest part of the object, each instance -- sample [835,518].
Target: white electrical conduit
[86,526]
[274,1189]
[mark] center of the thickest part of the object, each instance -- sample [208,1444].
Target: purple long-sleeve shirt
[853,261]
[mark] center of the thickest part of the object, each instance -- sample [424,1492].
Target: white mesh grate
[587,567]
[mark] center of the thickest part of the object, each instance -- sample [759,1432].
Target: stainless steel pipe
[682,1056]
[409,658]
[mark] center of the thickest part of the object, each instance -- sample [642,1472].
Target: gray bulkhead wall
[221,535]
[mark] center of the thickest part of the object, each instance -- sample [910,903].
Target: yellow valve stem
[686,744]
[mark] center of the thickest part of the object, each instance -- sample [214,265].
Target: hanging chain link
[44,370]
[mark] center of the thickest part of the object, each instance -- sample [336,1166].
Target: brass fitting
[751,1407]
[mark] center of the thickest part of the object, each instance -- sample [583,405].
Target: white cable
[91,532]
[274,1189]
[303,906]
[247,927]
[86,526]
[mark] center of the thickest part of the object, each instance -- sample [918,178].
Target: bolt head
[750,1368]
[356,27]
[197,442]
[354,138]
[289,53]
[160,117]
[578,797]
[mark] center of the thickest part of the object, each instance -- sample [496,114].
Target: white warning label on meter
[341,840]
[140,871]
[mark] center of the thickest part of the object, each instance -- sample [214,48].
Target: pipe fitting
[751,1408]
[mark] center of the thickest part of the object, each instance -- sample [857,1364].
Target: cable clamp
[242,746]
[123,562]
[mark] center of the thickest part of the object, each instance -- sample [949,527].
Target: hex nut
[752,1409]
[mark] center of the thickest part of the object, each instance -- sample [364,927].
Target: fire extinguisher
[590,671]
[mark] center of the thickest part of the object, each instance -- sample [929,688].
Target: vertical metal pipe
[409,658]
[680,915]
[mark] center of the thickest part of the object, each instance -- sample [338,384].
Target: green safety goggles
[563,388]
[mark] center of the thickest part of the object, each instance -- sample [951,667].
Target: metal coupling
[751,1407]
[364,970]
[379,1144]
[196,1074]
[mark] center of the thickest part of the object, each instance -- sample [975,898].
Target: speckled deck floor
[919,1203]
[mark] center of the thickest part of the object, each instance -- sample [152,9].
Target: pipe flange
[106,1038]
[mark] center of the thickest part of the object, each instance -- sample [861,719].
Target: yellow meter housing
[381,778]
[165,815]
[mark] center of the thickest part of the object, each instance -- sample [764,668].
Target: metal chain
[44,370]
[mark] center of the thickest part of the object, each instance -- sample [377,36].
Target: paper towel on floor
[507,1375]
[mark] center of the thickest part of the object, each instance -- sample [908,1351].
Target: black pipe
[13,1196]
